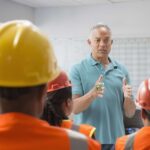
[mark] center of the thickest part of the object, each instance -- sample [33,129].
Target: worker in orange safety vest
[139,140]
[27,64]
[59,106]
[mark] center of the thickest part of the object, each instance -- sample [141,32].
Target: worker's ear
[41,98]
[43,92]
[143,114]
[68,106]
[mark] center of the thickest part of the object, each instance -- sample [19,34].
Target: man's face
[100,42]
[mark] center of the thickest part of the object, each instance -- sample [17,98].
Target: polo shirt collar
[93,62]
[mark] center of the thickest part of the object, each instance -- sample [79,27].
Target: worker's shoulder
[81,141]
[74,137]
[120,142]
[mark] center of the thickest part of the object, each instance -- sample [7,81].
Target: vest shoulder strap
[130,141]
[77,140]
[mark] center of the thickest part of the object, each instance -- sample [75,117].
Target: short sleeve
[75,77]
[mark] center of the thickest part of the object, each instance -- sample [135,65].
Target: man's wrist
[90,96]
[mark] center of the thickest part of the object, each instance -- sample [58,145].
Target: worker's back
[23,132]
[140,140]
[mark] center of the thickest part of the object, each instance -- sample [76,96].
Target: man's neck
[103,60]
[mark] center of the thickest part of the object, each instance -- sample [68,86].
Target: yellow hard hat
[26,55]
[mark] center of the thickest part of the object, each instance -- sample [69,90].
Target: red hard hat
[143,94]
[62,81]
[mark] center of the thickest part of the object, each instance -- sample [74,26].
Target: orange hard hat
[143,94]
[62,81]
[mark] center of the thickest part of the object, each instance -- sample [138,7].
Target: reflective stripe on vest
[130,141]
[77,141]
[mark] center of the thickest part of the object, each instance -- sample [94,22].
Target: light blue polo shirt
[105,113]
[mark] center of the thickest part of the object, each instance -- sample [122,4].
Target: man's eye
[98,40]
[106,40]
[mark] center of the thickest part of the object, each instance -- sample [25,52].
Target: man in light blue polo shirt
[91,105]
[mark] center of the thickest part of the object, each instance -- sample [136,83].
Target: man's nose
[102,43]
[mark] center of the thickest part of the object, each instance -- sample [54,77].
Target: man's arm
[129,107]
[129,104]
[81,103]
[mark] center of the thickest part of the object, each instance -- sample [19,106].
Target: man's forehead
[101,33]
[101,30]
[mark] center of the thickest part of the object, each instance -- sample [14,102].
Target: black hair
[12,93]
[53,111]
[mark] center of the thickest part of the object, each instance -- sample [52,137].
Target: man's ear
[112,41]
[89,41]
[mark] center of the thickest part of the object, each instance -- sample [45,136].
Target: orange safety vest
[85,129]
[136,141]
[24,132]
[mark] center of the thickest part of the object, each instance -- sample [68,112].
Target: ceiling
[53,3]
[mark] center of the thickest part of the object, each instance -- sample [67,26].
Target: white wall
[11,10]
[125,19]
[68,27]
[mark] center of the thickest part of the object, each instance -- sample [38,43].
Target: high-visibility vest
[24,132]
[130,141]
[85,129]
[139,140]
